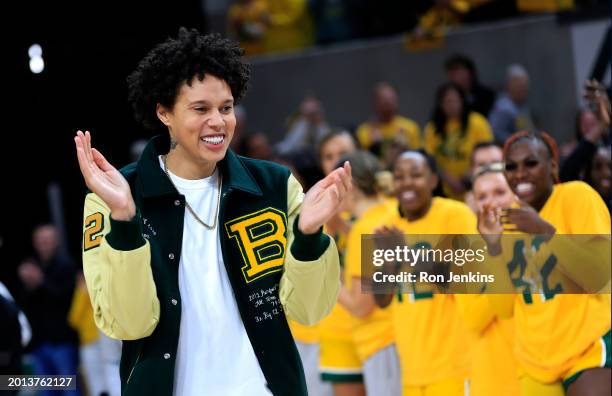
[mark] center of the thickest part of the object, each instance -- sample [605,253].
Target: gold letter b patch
[261,238]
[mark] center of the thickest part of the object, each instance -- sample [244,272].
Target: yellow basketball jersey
[493,370]
[431,339]
[304,334]
[337,325]
[374,332]
[552,330]
[310,334]
[399,127]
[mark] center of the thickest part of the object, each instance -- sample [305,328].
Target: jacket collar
[154,181]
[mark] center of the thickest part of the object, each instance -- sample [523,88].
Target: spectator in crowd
[334,146]
[485,156]
[586,128]
[461,70]
[511,112]
[598,175]
[246,22]
[94,365]
[451,135]
[442,16]
[387,129]
[289,26]
[306,129]
[256,146]
[15,334]
[49,281]
[237,143]
[590,159]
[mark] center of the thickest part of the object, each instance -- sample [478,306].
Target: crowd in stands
[480,151]
[53,323]
[272,26]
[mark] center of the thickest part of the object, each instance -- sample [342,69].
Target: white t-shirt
[214,355]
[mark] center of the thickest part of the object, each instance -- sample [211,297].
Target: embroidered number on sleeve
[92,237]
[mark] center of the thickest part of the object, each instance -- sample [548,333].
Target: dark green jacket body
[131,269]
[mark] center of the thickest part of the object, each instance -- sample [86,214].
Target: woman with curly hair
[193,255]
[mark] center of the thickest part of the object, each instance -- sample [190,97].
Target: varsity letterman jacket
[131,269]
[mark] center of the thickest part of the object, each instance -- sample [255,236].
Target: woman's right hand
[490,228]
[104,180]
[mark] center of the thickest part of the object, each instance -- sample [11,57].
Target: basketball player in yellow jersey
[433,345]
[339,363]
[562,340]
[493,362]
[372,327]
[313,341]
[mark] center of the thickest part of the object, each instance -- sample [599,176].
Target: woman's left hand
[526,219]
[325,199]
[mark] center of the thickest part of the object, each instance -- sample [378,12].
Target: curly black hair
[159,75]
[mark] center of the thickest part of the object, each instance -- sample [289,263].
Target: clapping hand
[325,199]
[490,227]
[103,179]
[525,219]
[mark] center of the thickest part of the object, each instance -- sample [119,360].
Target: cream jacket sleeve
[117,269]
[310,283]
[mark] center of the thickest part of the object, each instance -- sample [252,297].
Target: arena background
[89,48]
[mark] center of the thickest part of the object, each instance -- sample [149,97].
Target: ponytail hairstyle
[366,170]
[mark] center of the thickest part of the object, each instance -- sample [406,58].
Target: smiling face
[491,189]
[530,171]
[414,183]
[202,122]
[333,149]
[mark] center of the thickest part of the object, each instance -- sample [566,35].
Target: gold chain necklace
[193,213]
